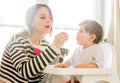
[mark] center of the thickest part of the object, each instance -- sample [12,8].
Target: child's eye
[80,31]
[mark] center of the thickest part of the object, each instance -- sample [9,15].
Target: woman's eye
[50,18]
[42,17]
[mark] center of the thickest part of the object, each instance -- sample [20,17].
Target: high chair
[107,74]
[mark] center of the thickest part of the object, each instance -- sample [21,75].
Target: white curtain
[117,31]
[114,32]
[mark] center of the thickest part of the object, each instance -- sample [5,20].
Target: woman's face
[42,21]
[82,37]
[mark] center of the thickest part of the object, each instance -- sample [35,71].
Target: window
[13,11]
[67,15]
[11,18]
[71,12]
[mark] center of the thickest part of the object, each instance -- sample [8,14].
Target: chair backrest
[108,54]
[110,60]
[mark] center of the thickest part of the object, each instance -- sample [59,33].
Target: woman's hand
[60,39]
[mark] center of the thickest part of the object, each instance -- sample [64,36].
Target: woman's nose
[49,20]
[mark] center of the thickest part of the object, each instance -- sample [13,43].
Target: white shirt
[92,54]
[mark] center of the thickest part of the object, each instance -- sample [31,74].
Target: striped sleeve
[29,67]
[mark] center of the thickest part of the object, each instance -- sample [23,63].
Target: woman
[28,53]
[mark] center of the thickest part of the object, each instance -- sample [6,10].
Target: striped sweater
[20,63]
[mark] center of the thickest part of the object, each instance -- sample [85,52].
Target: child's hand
[89,65]
[79,66]
[63,65]
[59,65]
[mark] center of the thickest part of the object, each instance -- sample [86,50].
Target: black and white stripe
[20,64]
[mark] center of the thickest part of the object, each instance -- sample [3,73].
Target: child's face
[83,38]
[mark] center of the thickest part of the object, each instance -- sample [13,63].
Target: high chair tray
[51,69]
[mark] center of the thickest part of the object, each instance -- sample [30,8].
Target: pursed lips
[47,26]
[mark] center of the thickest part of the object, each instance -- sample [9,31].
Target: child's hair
[92,27]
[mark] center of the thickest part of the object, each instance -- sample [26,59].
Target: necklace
[38,46]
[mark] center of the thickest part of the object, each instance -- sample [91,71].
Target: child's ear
[93,37]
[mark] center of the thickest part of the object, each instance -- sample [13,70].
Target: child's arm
[89,65]
[64,65]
